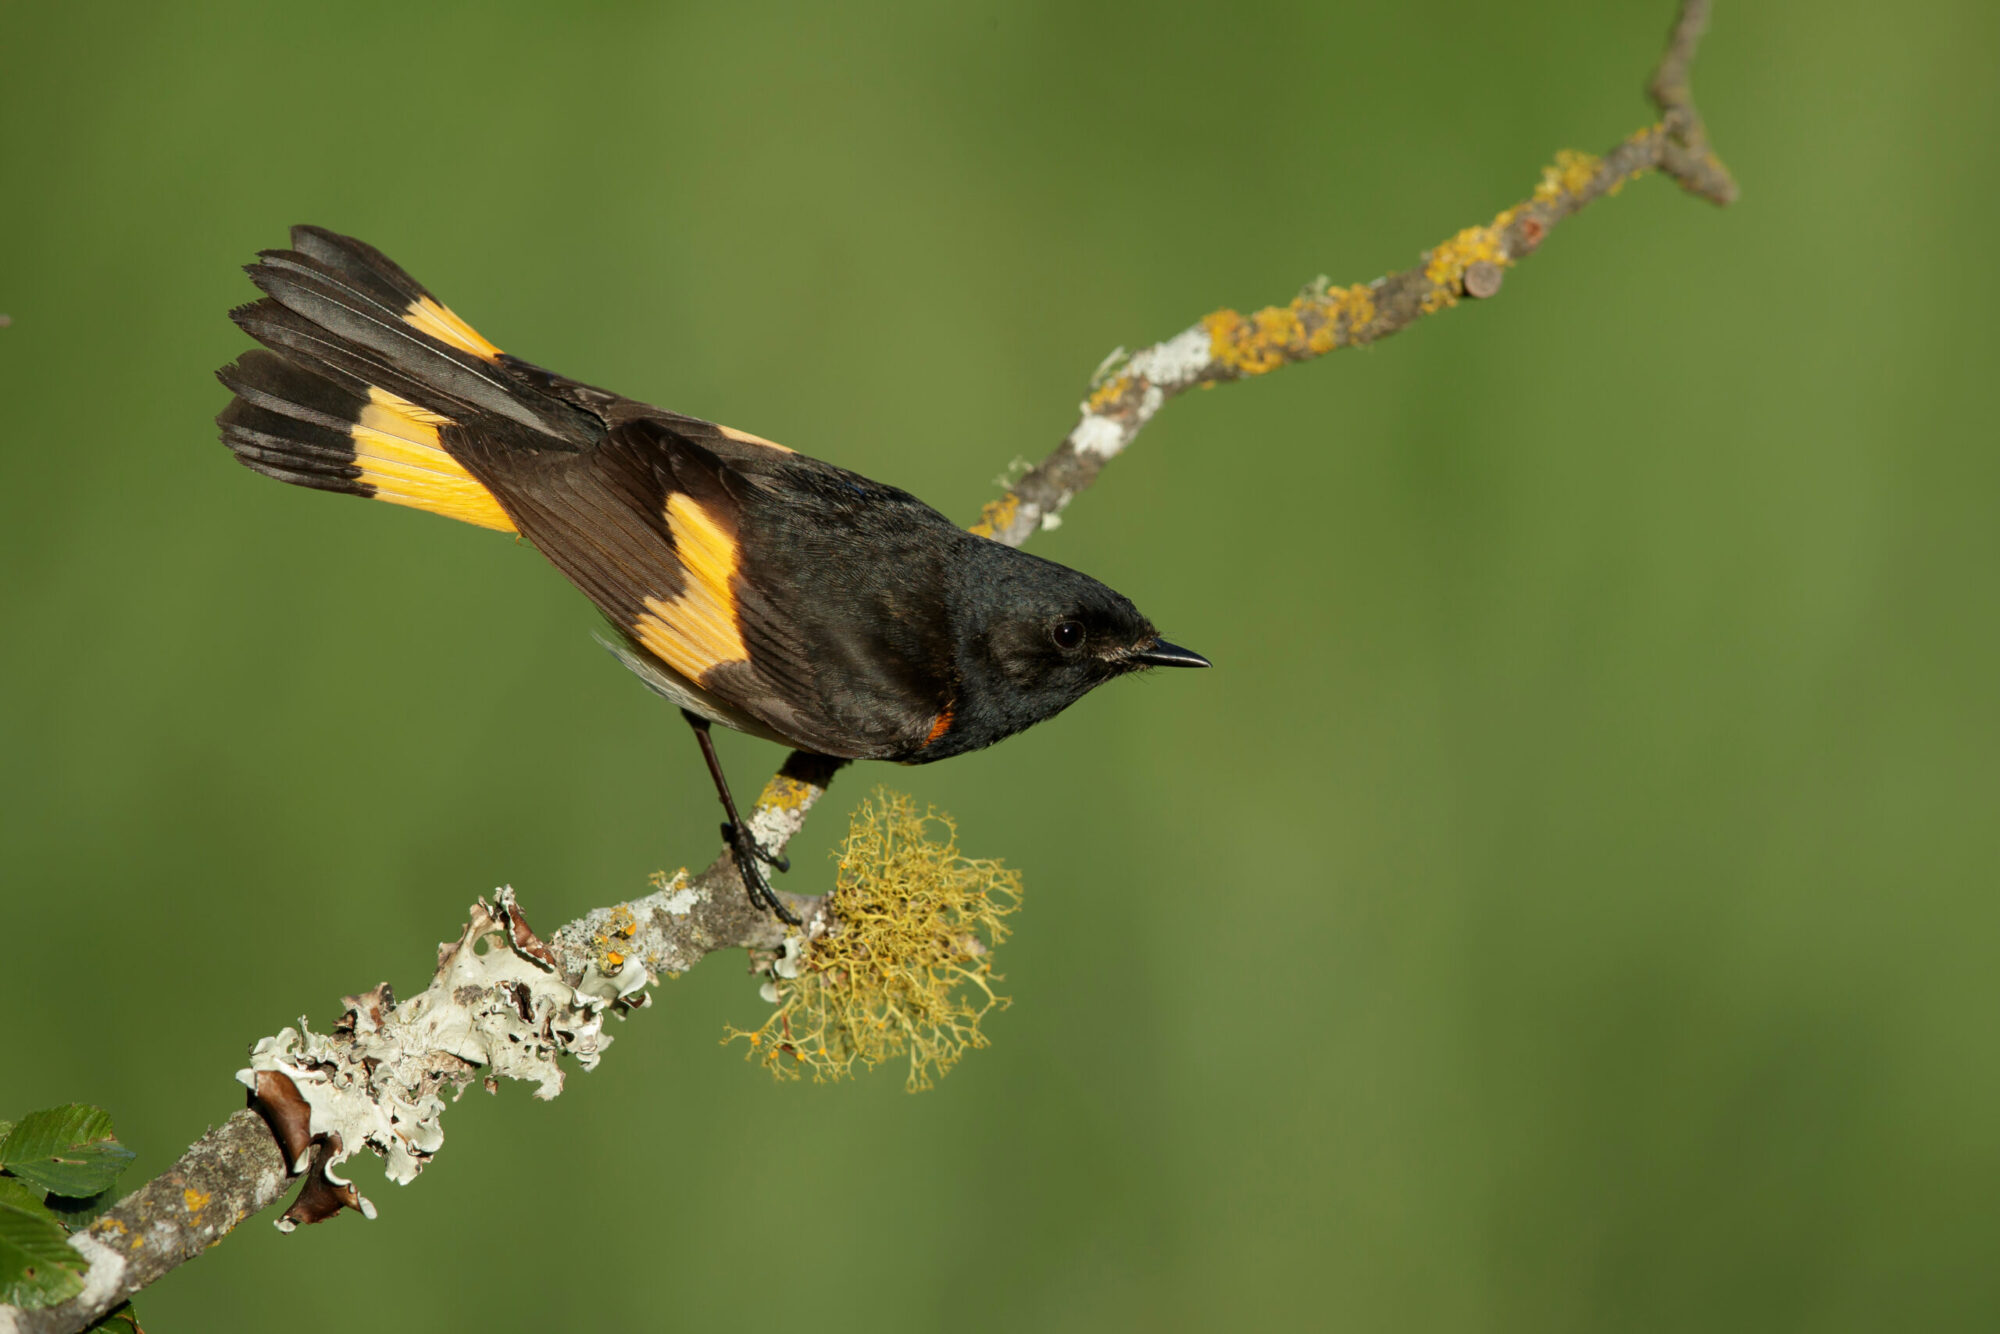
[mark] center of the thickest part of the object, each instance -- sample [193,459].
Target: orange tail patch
[396,447]
[433,317]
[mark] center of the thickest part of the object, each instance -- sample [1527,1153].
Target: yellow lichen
[1357,303]
[622,926]
[1310,326]
[1108,393]
[908,972]
[195,1200]
[1224,330]
[785,793]
[1445,265]
[997,516]
[1255,344]
[664,880]
[1569,174]
[1277,326]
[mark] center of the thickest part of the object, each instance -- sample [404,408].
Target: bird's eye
[1068,635]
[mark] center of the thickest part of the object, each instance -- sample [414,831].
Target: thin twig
[1227,346]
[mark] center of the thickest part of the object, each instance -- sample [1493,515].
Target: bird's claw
[750,861]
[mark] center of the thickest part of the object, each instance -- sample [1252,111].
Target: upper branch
[1227,346]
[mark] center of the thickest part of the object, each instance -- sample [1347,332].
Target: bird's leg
[742,845]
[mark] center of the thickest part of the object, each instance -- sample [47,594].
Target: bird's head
[1038,636]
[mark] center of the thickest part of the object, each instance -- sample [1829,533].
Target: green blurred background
[1568,905]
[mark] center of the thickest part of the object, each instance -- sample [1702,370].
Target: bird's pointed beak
[1160,653]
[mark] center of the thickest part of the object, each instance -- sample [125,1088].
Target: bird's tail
[366,381]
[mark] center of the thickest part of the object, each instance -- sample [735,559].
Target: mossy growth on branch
[908,972]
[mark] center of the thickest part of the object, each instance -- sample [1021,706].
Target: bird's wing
[650,525]
[369,385]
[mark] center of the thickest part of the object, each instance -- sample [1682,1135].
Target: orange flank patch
[696,631]
[744,437]
[396,447]
[940,727]
[440,323]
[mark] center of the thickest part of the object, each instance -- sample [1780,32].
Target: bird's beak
[1160,653]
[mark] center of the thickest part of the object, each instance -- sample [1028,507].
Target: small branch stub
[1482,279]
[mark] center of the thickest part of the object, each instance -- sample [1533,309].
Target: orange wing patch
[696,631]
[396,447]
[745,438]
[439,322]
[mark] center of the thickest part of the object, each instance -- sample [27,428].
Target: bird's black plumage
[752,585]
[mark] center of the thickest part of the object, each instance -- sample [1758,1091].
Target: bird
[750,585]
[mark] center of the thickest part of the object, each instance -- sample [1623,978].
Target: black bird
[749,584]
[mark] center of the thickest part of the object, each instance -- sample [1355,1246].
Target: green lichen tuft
[909,971]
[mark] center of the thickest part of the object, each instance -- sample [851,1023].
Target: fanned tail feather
[367,381]
[312,431]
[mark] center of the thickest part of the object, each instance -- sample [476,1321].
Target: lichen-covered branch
[502,1002]
[505,1001]
[1226,345]
[230,1173]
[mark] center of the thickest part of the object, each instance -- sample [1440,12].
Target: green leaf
[38,1267]
[24,1197]
[118,1320]
[65,1150]
[76,1214]
[5,1126]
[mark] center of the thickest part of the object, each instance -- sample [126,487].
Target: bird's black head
[1035,637]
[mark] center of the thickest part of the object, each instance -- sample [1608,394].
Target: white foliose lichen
[791,960]
[496,1006]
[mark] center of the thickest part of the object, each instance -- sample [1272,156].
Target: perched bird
[752,586]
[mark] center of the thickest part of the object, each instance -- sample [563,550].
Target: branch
[506,1002]
[1227,346]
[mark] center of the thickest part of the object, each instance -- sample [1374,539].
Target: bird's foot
[751,858]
